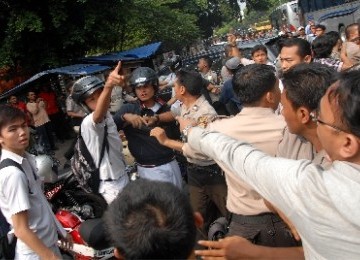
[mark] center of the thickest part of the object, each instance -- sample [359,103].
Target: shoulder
[88,120]
[204,106]
[11,176]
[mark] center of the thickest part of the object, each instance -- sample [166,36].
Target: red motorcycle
[72,206]
[82,236]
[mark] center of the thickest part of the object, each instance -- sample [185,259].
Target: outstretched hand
[233,247]
[160,134]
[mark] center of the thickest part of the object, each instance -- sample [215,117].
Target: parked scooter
[90,240]
[63,192]
[72,206]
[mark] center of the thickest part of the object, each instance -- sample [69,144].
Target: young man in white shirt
[94,96]
[22,201]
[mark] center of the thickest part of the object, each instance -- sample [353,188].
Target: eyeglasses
[315,118]
[330,125]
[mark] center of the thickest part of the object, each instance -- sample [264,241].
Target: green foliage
[37,35]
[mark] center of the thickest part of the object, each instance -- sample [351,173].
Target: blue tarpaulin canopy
[143,52]
[72,70]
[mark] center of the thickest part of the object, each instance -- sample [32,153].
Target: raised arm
[103,103]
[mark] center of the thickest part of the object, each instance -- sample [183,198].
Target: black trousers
[265,229]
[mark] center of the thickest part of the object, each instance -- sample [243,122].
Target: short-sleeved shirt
[262,128]
[296,147]
[113,163]
[21,191]
[201,108]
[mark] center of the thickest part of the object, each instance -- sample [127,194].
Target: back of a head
[344,98]
[252,82]
[191,80]
[333,37]
[151,220]
[303,46]
[322,46]
[305,84]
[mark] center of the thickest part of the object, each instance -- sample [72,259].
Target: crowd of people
[274,150]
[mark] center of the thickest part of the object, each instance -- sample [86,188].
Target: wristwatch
[185,132]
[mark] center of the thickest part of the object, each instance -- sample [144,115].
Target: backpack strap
[105,144]
[9,162]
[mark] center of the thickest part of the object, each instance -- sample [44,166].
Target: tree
[37,35]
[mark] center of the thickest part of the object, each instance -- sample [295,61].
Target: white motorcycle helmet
[44,165]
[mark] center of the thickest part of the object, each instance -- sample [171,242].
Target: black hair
[321,26]
[345,101]
[9,114]
[208,60]
[305,84]
[322,46]
[258,47]
[191,80]
[333,37]
[151,220]
[253,81]
[304,47]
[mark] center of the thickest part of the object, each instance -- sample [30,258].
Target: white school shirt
[16,197]
[113,163]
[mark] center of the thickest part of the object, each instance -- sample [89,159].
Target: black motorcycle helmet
[83,88]
[175,63]
[142,76]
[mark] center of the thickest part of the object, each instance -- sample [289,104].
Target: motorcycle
[72,206]
[84,233]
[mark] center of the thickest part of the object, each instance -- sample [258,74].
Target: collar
[13,156]
[257,110]
[195,106]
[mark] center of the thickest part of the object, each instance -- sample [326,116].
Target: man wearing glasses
[322,204]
